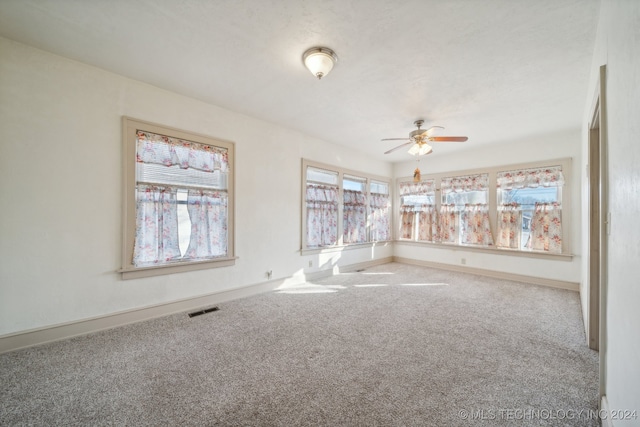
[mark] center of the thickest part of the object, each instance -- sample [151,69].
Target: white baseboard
[561,284]
[351,267]
[33,337]
[38,336]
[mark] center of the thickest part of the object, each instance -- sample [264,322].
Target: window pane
[354,221]
[527,198]
[322,176]
[465,197]
[379,187]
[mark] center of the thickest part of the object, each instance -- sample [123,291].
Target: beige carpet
[394,345]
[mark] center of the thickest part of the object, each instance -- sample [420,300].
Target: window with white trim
[178,200]
[379,211]
[516,208]
[530,209]
[342,207]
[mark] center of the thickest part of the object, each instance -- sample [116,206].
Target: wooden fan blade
[399,147]
[448,138]
[394,139]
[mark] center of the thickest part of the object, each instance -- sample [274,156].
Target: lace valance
[422,187]
[322,193]
[465,183]
[164,150]
[545,177]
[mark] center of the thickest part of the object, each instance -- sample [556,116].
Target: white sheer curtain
[448,230]
[208,214]
[531,178]
[156,225]
[407,217]
[354,217]
[546,228]
[428,224]
[322,215]
[509,226]
[163,150]
[475,225]
[380,226]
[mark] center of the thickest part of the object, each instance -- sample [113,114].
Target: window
[530,209]
[178,200]
[418,211]
[516,208]
[464,199]
[343,207]
[379,205]
[322,208]
[354,197]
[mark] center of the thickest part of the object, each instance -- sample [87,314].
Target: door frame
[599,223]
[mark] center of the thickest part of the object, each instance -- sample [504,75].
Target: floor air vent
[206,310]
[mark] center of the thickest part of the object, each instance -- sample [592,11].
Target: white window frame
[340,232]
[567,212]
[130,126]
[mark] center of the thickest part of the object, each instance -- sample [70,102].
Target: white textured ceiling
[493,70]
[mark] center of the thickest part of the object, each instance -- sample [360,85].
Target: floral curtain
[380,226]
[475,225]
[163,150]
[546,228]
[509,226]
[156,225]
[422,187]
[322,215]
[407,217]
[448,232]
[354,216]
[465,183]
[208,215]
[428,224]
[546,177]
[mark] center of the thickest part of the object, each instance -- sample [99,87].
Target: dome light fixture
[319,60]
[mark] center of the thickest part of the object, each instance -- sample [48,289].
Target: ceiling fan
[419,139]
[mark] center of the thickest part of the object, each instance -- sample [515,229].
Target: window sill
[178,267]
[491,250]
[340,248]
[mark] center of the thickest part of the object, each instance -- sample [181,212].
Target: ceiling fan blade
[433,129]
[394,139]
[399,147]
[448,138]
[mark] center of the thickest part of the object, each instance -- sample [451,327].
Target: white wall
[60,192]
[618,46]
[536,148]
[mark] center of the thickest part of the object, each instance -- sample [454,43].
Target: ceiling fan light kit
[319,60]
[419,139]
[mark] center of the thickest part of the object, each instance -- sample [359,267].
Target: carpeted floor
[394,345]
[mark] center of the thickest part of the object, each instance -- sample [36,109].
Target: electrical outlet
[463,261]
[310,263]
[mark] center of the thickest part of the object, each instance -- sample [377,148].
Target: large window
[343,207]
[418,211]
[530,209]
[178,200]
[465,201]
[515,208]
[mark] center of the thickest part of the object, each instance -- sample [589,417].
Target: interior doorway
[598,226]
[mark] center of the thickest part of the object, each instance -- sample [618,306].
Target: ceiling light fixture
[319,60]
[420,149]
